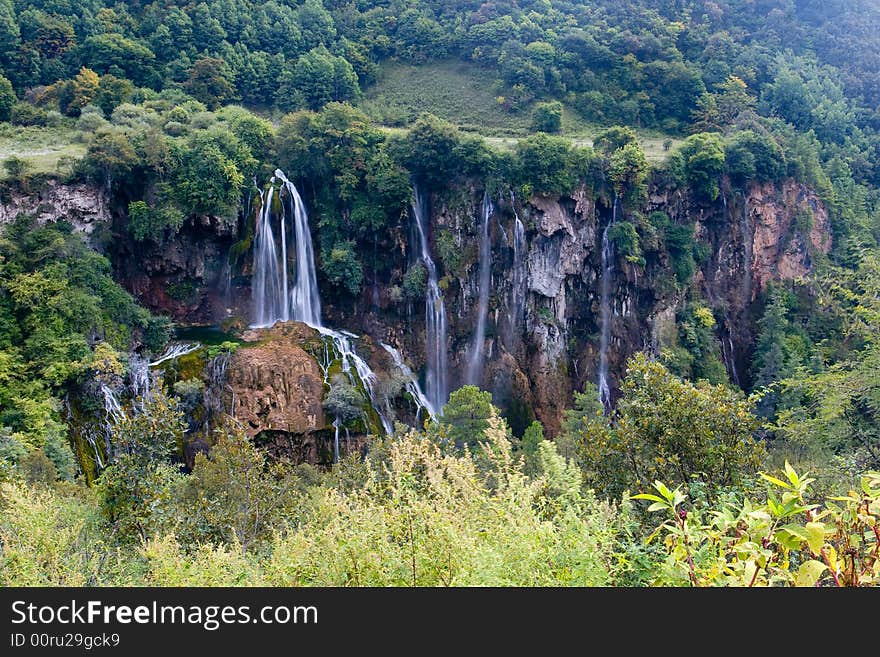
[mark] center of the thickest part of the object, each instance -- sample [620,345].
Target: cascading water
[336,424]
[475,360]
[140,380]
[354,367]
[605,310]
[113,413]
[304,298]
[268,294]
[175,350]
[412,383]
[517,304]
[729,355]
[435,313]
[213,396]
[276,299]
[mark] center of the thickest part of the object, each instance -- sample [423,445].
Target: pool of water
[207,335]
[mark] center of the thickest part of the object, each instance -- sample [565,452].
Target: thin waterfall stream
[476,358]
[605,310]
[435,312]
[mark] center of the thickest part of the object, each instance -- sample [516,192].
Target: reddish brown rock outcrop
[790,225]
[275,384]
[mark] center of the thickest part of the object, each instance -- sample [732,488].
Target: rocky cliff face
[187,278]
[85,207]
[273,384]
[542,335]
[543,326]
[769,233]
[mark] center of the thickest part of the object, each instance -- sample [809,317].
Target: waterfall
[267,292]
[412,383]
[139,379]
[275,299]
[517,304]
[605,310]
[226,283]
[305,299]
[175,350]
[729,355]
[475,361]
[354,367]
[213,396]
[435,313]
[113,413]
[503,233]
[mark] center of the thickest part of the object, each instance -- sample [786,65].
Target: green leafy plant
[783,541]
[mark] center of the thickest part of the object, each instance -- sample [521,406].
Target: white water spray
[412,384]
[518,290]
[435,313]
[475,361]
[605,310]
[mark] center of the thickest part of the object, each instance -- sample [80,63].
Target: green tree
[207,32]
[531,440]
[343,267]
[720,109]
[110,157]
[146,223]
[545,164]
[234,494]
[430,151]
[666,428]
[84,89]
[317,78]
[10,37]
[702,160]
[112,92]
[628,172]
[211,172]
[316,24]
[697,336]
[415,282]
[256,133]
[835,408]
[18,170]
[7,99]
[211,81]
[614,138]
[115,54]
[547,117]
[466,415]
[141,476]
[750,156]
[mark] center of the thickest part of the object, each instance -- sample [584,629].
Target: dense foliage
[62,316]
[672,66]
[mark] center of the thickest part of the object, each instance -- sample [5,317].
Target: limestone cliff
[84,206]
[543,322]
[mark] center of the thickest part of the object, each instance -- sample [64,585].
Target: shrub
[667,428]
[781,540]
[547,117]
[415,281]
